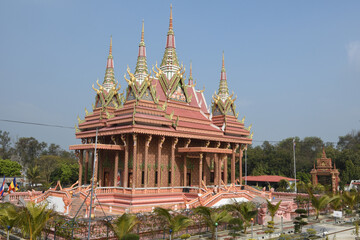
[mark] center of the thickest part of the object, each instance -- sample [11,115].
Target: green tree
[319,203]
[28,150]
[5,148]
[247,211]
[8,216]
[273,208]
[33,218]
[124,225]
[350,199]
[212,217]
[175,223]
[9,168]
[47,164]
[33,175]
[67,172]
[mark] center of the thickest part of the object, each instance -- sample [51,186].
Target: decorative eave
[204,150]
[91,146]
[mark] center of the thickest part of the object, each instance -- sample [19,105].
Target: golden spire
[223,62]
[171,19]
[142,31]
[190,69]
[110,51]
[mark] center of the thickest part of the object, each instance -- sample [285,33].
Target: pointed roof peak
[191,81]
[223,63]
[141,70]
[142,31]
[109,79]
[171,19]
[110,50]
[223,91]
[323,153]
[170,62]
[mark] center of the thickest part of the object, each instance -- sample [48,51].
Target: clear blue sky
[294,65]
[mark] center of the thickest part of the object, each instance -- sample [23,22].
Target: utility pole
[294,145]
[92,182]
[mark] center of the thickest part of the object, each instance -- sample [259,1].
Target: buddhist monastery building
[159,141]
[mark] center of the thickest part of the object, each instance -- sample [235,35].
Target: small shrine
[323,170]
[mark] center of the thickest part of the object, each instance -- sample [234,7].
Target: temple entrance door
[188,179]
[106,179]
[130,177]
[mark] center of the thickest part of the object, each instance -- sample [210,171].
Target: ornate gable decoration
[108,98]
[223,107]
[174,88]
[137,91]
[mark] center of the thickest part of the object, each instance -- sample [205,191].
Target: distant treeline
[277,159]
[38,161]
[45,164]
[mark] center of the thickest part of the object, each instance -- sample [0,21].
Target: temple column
[134,161]
[96,166]
[225,170]
[240,165]
[100,171]
[147,144]
[86,166]
[116,168]
[219,170]
[175,140]
[124,138]
[80,159]
[233,163]
[216,169]
[160,143]
[185,170]
[200,170]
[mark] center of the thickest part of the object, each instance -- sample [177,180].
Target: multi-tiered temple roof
[161,103]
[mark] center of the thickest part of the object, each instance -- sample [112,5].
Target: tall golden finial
[223,62]
[142,31]
[110,51]
[171,22]
[190,69]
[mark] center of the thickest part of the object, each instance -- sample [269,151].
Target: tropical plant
[350,199]
[123,225]
[212,217]
[336,204]
[319,203]
[273,208]
[8,217]
[246,210]
[33,218]
[236,225]
[33,175]
[175,223]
